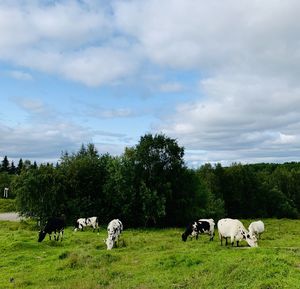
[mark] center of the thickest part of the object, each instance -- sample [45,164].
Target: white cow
[87,222]
[235,230]
[256,228]
[114,229]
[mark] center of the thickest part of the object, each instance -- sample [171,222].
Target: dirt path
[11,216]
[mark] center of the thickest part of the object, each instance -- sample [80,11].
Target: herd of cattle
[227,228]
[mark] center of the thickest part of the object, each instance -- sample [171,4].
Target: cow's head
[188,231]
[184,237]
[109,243]
[250,239]
[42,235]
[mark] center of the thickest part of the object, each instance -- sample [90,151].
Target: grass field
[148,259]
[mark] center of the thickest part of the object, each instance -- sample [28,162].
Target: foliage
[84,178]
[40,192]
[150,185]
[158,164]
[7,205]
[259,190]
[6,180]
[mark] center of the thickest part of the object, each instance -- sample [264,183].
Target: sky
[220,77]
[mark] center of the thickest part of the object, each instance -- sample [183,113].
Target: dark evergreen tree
[34,166]
[5,165]
[12,169]
[20,166]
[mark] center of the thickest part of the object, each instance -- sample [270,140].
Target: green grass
[7,205]
[148,259]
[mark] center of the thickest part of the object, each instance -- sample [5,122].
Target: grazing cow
[202,226]
[55,225]
[114,229]
[87,222]
[256,228]
[235,230]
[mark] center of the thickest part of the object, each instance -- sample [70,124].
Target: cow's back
[229,227]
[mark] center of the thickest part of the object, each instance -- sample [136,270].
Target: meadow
[148,258]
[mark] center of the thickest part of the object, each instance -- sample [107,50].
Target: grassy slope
[148,259]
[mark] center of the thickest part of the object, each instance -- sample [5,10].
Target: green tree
[20,166]
[12,169]
[5,182]
[85,173]
[159,174]
[5,165]
[40,192]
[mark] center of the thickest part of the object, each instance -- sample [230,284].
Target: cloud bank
[246,56]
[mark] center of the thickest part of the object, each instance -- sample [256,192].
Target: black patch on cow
[203,226]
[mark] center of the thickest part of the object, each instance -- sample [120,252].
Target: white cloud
[111,113]
[31,105]
[247,53]
[97,66]
[228,35]
[46,132]
[75,40]
[171,87]
[20,75]
[100,43]
[239,116]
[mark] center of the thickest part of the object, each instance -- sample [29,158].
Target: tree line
[150,185]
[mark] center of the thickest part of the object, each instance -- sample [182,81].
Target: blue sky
[221,77]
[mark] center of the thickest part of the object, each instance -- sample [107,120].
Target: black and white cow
[114,229]
[53,225]
[202,226]
[87,222]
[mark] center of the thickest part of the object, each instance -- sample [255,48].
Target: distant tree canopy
[150,185]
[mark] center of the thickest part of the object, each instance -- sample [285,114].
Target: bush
[7,205]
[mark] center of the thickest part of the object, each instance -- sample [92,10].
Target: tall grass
[148,259]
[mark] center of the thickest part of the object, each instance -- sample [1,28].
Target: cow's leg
[232,240]
[62,234]
[226,243]
[58,235]
[212,235]
[237,243]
